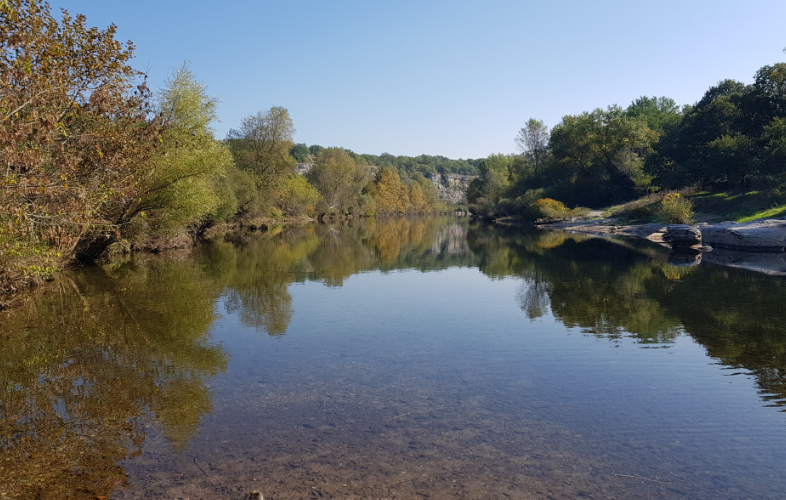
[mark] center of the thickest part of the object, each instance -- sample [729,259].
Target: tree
[731,159]
[389,195]
[339,179]
[661,113]
[76,136]
[180,189]
[261,146]
[297,196]
[300,153]
[598,155]
[417,200]
[533,142]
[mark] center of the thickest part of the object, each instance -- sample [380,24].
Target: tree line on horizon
[406,165]
[732,139]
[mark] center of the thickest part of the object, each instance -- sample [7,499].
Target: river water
[398,358]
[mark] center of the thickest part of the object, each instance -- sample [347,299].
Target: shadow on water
[90,368]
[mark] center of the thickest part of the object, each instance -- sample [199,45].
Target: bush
[676,209]
[547,208]
[296,195]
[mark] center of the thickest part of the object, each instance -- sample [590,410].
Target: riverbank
[21,274]
[757,245]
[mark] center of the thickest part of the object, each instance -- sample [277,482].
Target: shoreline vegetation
[722,158]
[95,161]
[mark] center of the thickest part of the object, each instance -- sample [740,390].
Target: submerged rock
[682,235]
[761,236]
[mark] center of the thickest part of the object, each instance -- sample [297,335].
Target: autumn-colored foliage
[75,134]
[389,195]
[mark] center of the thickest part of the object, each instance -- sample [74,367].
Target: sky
[456,78]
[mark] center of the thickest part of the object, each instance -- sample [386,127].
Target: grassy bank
[707,207]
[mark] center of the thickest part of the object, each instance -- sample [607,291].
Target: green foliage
[597,156]
[408,165]
[675,209]
[660,113]
[731,139]
[297,196]
[182,187]
[734,137]
[485,191]
[300,153]
[261,147]
[340,180]
[533,142]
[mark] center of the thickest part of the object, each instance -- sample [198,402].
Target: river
[397,358]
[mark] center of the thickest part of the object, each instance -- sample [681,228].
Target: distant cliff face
[452,187]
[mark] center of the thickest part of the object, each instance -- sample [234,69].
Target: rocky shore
[758,245]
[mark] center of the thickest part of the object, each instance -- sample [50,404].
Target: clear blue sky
[457,78]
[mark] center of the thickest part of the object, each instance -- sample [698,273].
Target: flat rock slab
[758,236]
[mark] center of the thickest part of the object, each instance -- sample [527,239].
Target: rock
[760,236]
[682,235]
[768,263]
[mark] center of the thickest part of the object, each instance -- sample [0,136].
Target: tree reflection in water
[620,287]
[87,366]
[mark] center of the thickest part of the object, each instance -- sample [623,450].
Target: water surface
[398,358]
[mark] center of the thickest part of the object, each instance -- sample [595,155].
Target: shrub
[676,209]
[547,208]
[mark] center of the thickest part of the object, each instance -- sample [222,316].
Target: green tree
[181,188]
[661,113]
[598,156]
[297,196]
[340,179]
[300,153]
[261,147]
[533,142]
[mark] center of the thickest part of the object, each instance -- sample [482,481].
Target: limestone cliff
[452,187]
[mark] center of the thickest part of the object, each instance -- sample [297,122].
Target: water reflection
[88,367]
[84,370]
[616,287]
[611,288]
[256,268]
